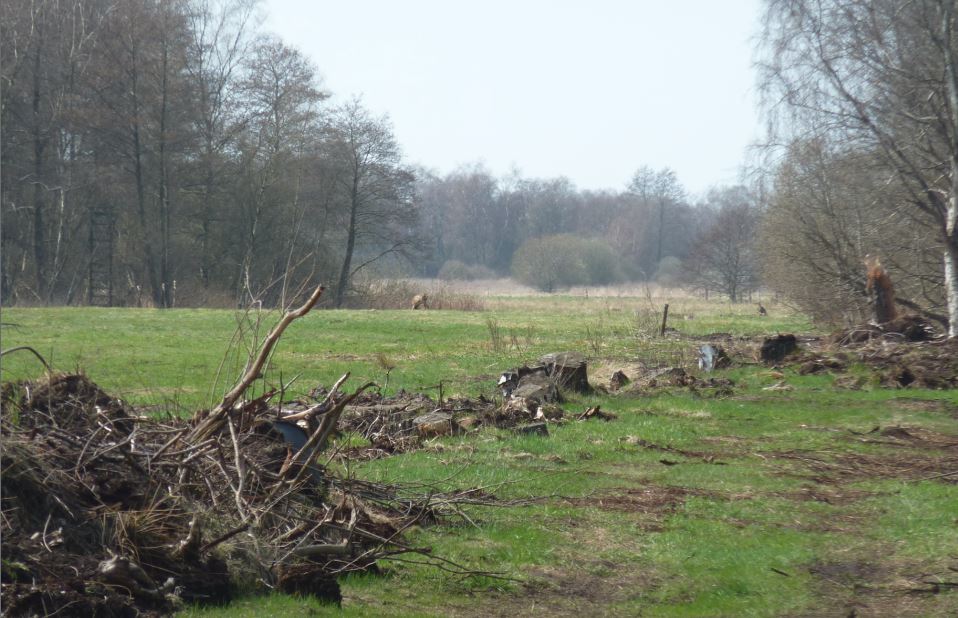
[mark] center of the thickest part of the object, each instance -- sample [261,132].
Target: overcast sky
[588,89]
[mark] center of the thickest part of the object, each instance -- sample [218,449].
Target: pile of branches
[108,513]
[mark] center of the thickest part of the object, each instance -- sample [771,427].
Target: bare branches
[217,416]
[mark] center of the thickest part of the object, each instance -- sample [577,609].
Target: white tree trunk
[951,262]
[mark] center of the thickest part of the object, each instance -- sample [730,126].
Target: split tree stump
[569,370]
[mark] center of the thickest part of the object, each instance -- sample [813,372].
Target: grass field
[769,503]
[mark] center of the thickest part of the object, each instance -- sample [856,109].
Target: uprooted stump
[713,357]
[618,381]
[308,580]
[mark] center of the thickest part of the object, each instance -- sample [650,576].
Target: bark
[951,212]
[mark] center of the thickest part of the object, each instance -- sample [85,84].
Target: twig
[240,469]
[225,537]
[171,442]
[319,408]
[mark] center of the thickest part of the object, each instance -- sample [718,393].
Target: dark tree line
[161,148]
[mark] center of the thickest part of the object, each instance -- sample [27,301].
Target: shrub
[553,262]
[601,263]
[549,263]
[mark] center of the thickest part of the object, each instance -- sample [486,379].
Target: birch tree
[881,76]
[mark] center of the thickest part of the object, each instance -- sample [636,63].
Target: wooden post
[665,318]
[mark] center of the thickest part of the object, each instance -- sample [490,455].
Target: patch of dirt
[703,456]
[907,437]
[910,404]
[574,592]
[654,499]
[825,494]
[840,468]
[880,587]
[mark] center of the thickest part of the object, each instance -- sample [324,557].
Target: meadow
[760,503]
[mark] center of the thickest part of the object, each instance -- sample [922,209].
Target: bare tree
[880,76]
[375,190]
[656,222]
[282,94]
[831,207]
[723,257]
[46,48]
[219,44]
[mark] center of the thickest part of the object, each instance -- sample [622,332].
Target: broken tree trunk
[879,284]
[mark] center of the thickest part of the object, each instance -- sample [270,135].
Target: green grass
[729,530]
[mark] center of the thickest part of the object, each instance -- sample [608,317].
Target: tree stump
[774,349]
[538,387]
[569,370]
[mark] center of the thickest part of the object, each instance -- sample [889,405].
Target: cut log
[538,387]
[433,424]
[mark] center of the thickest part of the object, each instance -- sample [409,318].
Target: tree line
[171,152]
[153,149]
[163,152]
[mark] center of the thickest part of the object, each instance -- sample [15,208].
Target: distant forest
[168,153]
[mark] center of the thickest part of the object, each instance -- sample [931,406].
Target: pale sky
[588,89]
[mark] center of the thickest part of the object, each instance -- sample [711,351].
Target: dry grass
[399,294]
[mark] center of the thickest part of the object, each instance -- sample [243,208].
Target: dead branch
[216,418]
[319,437]
[319,408]
[29,349]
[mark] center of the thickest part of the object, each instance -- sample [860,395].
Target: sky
[587,89]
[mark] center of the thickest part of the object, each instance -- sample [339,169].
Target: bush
[601,263]
[669,271]
[553,262]
[454,270]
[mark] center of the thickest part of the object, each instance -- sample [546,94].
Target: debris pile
[107,513]
[679,377]
[903,328]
